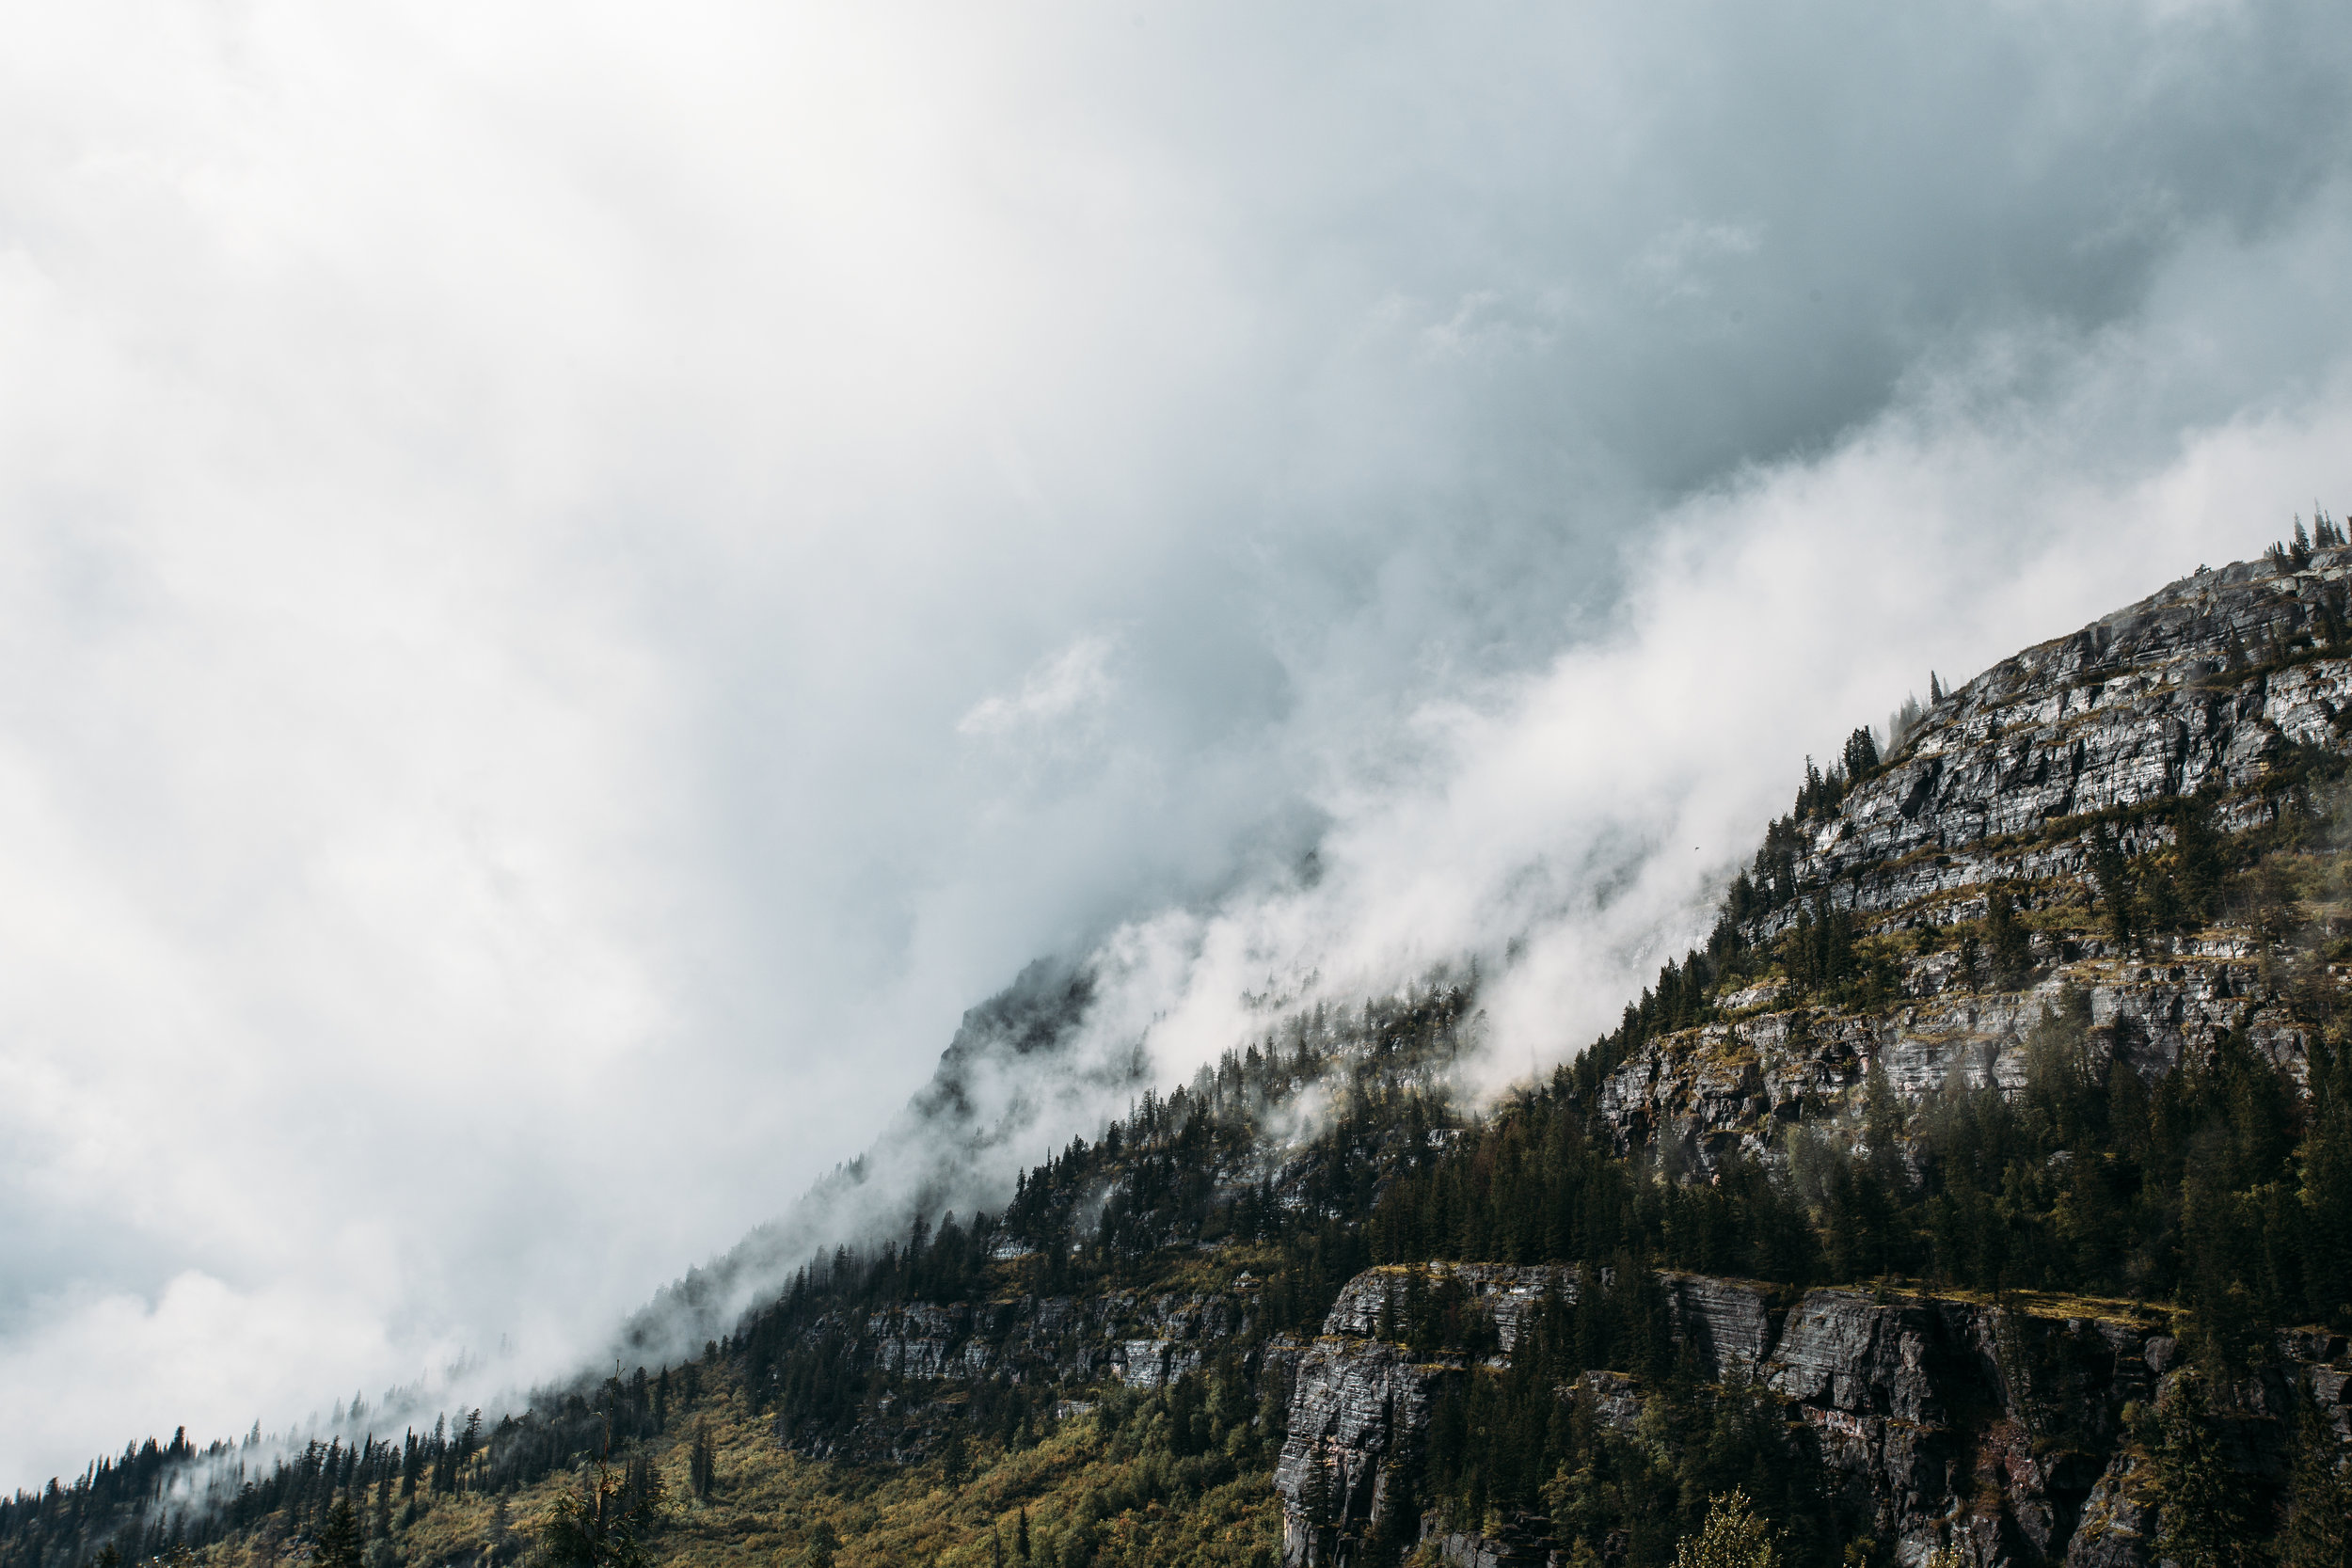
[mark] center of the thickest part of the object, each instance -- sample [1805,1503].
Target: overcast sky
[576,581]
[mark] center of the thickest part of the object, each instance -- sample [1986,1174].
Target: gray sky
[578,582]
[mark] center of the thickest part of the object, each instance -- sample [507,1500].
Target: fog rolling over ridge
[1023,1067]
[578,595]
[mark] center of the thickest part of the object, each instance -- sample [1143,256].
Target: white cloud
[1065,688]
[1572,828]
[228,1355]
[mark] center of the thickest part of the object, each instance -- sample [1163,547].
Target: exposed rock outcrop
[2185,691]
[1949,1422]
[1358,1420]
[2213,685]
[1144,1341]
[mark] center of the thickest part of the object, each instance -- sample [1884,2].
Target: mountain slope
[1984,1185]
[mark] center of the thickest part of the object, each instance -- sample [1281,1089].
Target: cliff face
[1138,1339]
[2188,689]
[2222,684]
[1739,1084]
[1949,1422]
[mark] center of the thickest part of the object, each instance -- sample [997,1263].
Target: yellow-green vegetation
[2055,1305]
[1102,1486]
[1118,1491]
[1733,1537]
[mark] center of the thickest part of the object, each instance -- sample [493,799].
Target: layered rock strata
[2205,685]
[1739,1084]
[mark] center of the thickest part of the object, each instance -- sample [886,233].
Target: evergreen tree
[2207,1517]
[2319,1530]
[1861,755]
[592,1525]
[2322,1162]
[2109,867]
[339,1537]
[2005,942]
[701,1461]
[954,1461]
[1732,1537]
[2199,857]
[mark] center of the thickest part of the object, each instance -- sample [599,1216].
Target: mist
[578,589]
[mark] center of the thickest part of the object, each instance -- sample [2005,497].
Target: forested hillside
[1980,1191]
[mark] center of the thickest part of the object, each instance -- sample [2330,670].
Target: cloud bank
[577,589]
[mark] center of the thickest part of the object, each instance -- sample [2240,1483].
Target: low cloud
[1065,689]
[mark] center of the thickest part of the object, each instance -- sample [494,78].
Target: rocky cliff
[2231,689]
[2005,1432]
[2209,685]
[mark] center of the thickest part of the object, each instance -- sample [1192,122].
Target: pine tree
[2113,874]
[2323,1160]
[593,1526]
[2005,942]
[954,1462]
[1861,757]
[2318,1530]
[339,1537]
[2205,1520]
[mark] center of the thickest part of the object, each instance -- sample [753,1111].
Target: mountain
[1980,1192]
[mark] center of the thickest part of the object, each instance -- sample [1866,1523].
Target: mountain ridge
[1983,1186]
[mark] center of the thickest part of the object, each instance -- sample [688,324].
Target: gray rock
[2160,699]
[1360,1407]
[1728,1323]
[1949,1422]
[1840,1352]
[2117,1527]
